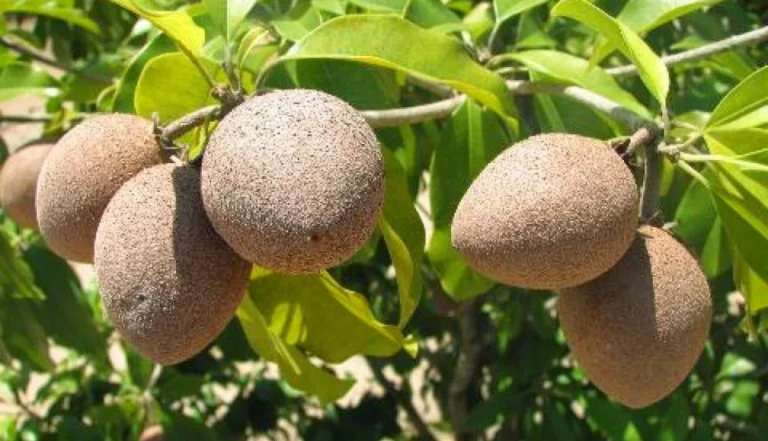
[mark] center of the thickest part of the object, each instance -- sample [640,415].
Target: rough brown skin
[83,172]
[169,283]
[18,183]
[293,180]
[552,211]
[638,330]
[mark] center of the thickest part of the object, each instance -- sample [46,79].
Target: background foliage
[492,358]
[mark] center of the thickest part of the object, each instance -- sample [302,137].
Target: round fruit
[293,180]
[169,283]
[18,181]
[83,172]
[552,211]
[638,329]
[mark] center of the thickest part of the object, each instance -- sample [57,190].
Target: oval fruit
[552,211]
[83,172]
[293,180]
[638,329]
[169,283]
[18,183]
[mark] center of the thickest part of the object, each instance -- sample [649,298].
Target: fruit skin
[18,183]
[552,211]
[169,283]
[293,180]
[83,172]
[638,330]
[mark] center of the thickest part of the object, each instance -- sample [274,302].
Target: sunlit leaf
[18,79]
[403,233]
[652,70]
[316,313]
[436,57]
[49,9]
[505,9]
[228,14]
[746,105]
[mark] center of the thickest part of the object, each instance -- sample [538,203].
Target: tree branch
[180,127]
[748,38]
[54,63]
[471,346]
[403,400]
[25,118]
[411,115]
[651,195]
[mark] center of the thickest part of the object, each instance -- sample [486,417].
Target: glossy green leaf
[699,226]
[178,25]
[505,9]
[16,278]
[126,89]
[652,70]
[403,233]
[51,9]
[436,57]
[644,15]
[314,312]
[64,313]
[396,6]
[429,13]
[228,14]
[674,423]
[294,365]
[18,79]
[23,335]
[298,22]
[337,7]
[470,141]
[574,70]
[746,105]
[184,88]
[752,285]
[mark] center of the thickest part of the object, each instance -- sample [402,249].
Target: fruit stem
[651,195]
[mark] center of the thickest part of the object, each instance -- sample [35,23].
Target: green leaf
[470,141]
[571,69]
[315,313]
[294,366]
[698,225]
[228,14]
[674,423]
[22,334]
[746,105]
[184,88]
[178,25]
[752,286]
[505,9]
[652,70]
[65,313]
[16,278]
[126,89]
[403,233]
[49,9]
[644,15]
[436,57]
[429,13]
[299,21]
[19,79]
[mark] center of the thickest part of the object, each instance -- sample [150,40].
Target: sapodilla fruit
[293,180]
[83,172]
[18,183]
[638,330]
[552,211]
[169,283]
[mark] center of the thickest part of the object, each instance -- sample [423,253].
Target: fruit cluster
[293,181]
[559,212]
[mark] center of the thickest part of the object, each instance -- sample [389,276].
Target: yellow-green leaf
[403,233]
[652,70]
[746,105]
[422,53]
[294,365]
[315,313]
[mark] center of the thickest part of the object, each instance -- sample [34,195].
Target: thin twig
[25,118]
[183,125]
[54,63]
[471,346]
[403,400]
[412,115]
[651,195]
[748,38]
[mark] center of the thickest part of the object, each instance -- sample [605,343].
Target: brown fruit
[18,183]
[293,180]
[638,329]
[552,211]
[169,283]
[83,172]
